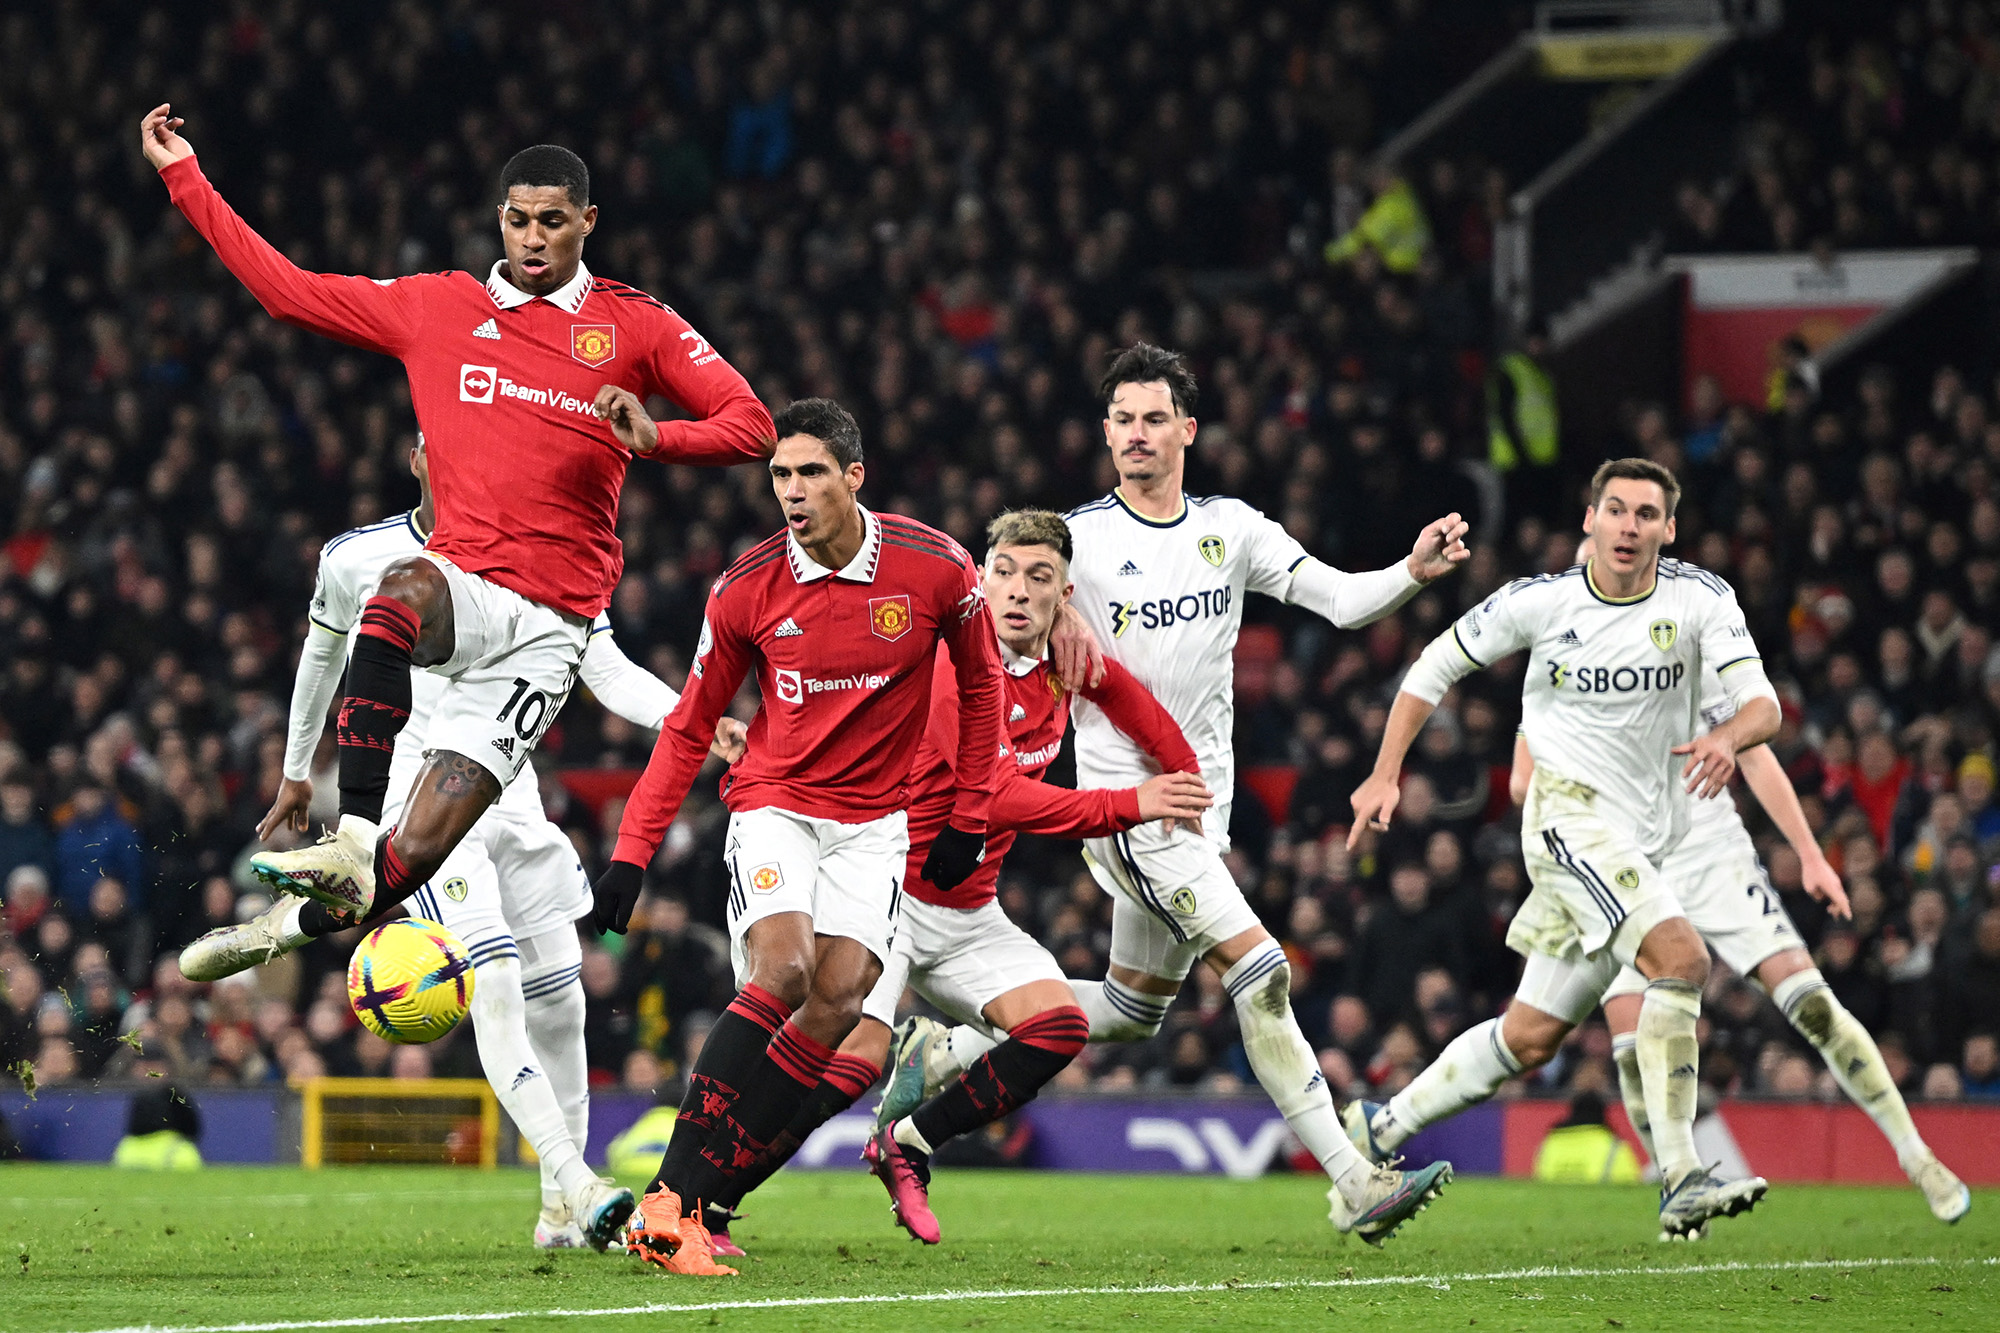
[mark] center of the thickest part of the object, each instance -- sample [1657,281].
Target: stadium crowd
[945,217]
[1866,126]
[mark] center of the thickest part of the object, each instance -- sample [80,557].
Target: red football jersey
[844,664]
[1037,707]
[524,475]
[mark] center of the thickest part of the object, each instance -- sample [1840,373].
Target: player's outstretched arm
[1351,601]
[729,424]
[1029,805]
[968,635]
[1773,789]
[1074,651]
[639,696]
[1132,709]
[320,662]
[380,316]
[1375,800]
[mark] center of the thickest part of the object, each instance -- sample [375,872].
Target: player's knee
[420,585]
[786,976]
[1672,949]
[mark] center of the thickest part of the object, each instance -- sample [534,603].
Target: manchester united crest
[766,878]
[593,344]
[889,617]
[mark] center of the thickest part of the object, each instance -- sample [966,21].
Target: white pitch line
[1439,1282]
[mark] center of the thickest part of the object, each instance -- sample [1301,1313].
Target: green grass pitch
[90,1248]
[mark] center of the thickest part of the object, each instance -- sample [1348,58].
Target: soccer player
[511,890]
[957,947]
[530,387]
[1727,895]
[1616,647]
[840,615]
[1160,577]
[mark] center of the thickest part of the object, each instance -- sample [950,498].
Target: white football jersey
[1612,686]
[350,569]
[1165,598]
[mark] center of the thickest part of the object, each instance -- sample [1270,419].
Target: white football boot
[338,871]
[1944,1192]
[600,1210]
[556,1229]
[227,950]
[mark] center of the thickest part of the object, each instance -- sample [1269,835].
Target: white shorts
[512,666]
[509,879]
[960,960]
[1729,899]
[847,877]
[1173,899]
[1567,989]
[1592,888]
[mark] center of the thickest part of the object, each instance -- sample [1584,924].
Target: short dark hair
[826,421]
[1143,363]
[1635,469]
[548,164]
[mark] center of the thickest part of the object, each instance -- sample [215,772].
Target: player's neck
[1616,587]
[426,517]
[841,545]
[1156,498]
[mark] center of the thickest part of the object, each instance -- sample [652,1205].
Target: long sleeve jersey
[524,475]
[843,660]
[1037,717]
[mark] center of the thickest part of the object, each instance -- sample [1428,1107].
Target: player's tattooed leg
[449,795]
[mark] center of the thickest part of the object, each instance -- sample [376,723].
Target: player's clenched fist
[614,895]
[955,854]
[627,416]
[1374,801]
[159,139]
[1439,549]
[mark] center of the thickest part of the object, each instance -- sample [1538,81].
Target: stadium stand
[947,225]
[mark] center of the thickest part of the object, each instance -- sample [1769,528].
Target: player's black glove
[955,854]
[614,896]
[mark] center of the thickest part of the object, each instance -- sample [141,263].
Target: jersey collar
[1591,583]
[1152,522]
[1014,663]
[568,297]
[861,569]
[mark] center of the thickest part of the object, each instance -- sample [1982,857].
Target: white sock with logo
[500,1026]
[1468,1071]
[1810,1005]
[1260,984]
[552,985]
[1670,1068]
[1632,1089]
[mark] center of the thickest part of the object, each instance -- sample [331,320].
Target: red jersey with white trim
[1037,706]
[524,475]
[844,663]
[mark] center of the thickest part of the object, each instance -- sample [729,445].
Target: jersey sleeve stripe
[1293,567]
[1462,648]
[949,557]
[917,532]
[746,566]
[337,633]
[1737,662]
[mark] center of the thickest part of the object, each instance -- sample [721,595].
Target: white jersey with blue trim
[350,569]
[1165,599]
[1613,685]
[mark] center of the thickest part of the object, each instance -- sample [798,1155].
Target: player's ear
[1590,520]
[589,218]
[855,473]
[1192,427]
[1069,591]
[1670,532]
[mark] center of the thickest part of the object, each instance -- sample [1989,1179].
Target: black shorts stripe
[1586,875]
[1145,887]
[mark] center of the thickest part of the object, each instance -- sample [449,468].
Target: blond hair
[1029,527]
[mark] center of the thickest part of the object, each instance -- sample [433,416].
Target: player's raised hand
[1175,799]
[629,422]
[732,738]
[159,137]
[1374,801]
[1711,763]
[1077,656]
[1440,548]
[1822,881]
[289,809]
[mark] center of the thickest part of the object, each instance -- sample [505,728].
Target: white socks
[1669,1059]
[1632,1089]
[1466,1072]
[288,923]
[552,986]
[1810,1005]
[1119,1013]
[499,1019]
[1261,985]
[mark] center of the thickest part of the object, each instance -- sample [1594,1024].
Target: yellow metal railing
[436,1121]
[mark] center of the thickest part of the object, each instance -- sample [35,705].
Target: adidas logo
[505,745]
[487,330]
[527,1072]
[1129,568]
[789,629]
[1018,714]
[1569,639]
